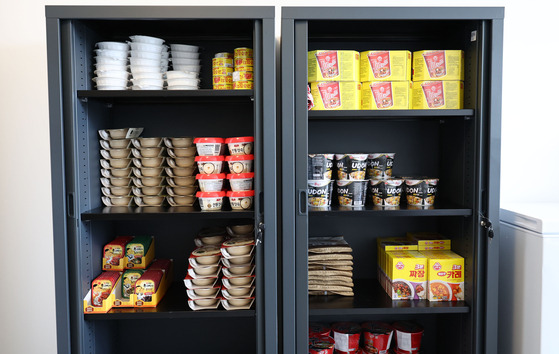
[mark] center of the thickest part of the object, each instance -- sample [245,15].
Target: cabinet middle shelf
[157,213]
[390,114]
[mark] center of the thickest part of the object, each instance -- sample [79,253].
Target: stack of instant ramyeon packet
[330,266]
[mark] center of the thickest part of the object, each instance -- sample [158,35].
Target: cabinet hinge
[487,225]
[260,232]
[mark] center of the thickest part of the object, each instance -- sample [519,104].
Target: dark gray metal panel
[160,12]
[392,13]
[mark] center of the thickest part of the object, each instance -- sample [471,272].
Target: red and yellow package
[438,65]
[114,253]
[437,95]
[407,275]
[445,276]
[333,65]
[385,65]
[427,241]
[385,95]
[102,286]
[334,95]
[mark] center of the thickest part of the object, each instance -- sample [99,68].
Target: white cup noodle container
[110,61]
[145,55]
[185,61]
[352,193]
[241,181]
[110,81]
[183,82]
[210,183]
[189,68]
[112,45]
[351,166]
[210,164]
[240,163]
[319,193]
[117,74]
[421,192]
[385,192]
[184,48]
[177,74]
[210,201]
[209,146]
[379,165]
[146,47]
[319,166]
[240,145]
[148,75]
[185,55]
[147,39]
[241,200]
[110,53]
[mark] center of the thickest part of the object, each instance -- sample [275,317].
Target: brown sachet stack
[330,266]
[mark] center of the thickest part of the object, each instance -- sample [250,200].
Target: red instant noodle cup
[319,330]
[346,336]
[321,345]
[408,336]
[377,337]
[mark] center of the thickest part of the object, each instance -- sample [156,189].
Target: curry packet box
[333,65]
[445,276]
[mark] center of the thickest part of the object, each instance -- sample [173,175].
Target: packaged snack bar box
[438,65]
[333,65]
[385,65]
[385,95]
[406,271]
[335,95]
[445,276]
[437,95]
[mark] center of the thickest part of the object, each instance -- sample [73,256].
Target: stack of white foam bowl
[148,61]
[186,68]
[110,66]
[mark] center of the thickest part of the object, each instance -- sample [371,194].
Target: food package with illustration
[385,65]
[114,253]
[429,241]
[437,95]
[336,95]
[390,244]
[445,276]
[407,275]
[333,65]
[431,65]
[385,95]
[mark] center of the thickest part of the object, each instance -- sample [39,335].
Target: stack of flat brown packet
[330,266]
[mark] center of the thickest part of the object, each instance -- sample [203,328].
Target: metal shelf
[389,114]
[166,95]
[157,213]
[401,211]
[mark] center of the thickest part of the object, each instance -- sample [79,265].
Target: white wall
[27,321]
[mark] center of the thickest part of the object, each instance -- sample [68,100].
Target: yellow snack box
[385,65]
[407,275]
[429,241]
[438,65]
[385,95]
[333,65]
[335,95]
[437,95]
[445,276]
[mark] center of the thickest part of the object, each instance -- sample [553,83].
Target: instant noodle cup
[438,65]
[240,163]
[346,336]
[385,192]
[319,166]
[240,145]
[210,164]
[377,337]
[379,165]
[333,65]
[437,95]
[241,181]
[226,79]
[321,345]
[209,146]
[222,86]
[210,201]
[385,65]
[351,166]
[421,192]
[242,52]
[210,182]
[408,336]
[319,330]
[319,193]
[243,62]
[336,95]
[240,200]
[351,193]
[386,95]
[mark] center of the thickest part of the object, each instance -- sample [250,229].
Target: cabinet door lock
[260,232]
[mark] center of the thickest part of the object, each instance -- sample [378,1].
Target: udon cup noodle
[421,192]
[210,183]
[240,145]
[385,192]
[210,201]
[319,330]
[321,345]
[346,336]
[351,166]
[379,165]
[210,164]
[240,163]
[377,337]
[352,193]
[319,166]
[408,336]
[319,193]
[209,146]
[241,181]
[240,200]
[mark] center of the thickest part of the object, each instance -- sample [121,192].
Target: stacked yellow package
[386,77]
[222,71]
[243,78]
[438,79]
[334,77]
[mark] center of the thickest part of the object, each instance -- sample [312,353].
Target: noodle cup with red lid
[210,201]
[240,200]
[346,335]
[321,345]
[210,183]
[210,164]
[240,145]
[319,329]
[240,163]
[377,336]
[241,181]
[408,336]
[210,146]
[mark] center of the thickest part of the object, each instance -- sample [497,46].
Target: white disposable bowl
[182,87]
[145,47]
[203,281]
[115,54]
[183,82]
[147,82]
[205,302]
[184,48]
[144,55]
[116,74]
[109,60]
[191,68]
[239,281]
[144,69]
[186,55]
[144,62]
[164,55]
[148,75]
[111,67]
[110,81]
[110,88]
[136,88]
[184,61]
[112,45]
[147,39]
[239,301]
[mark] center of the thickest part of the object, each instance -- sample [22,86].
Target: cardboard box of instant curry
[385,95]
[431,65]
[385,65]
[445,276]
[437,95]
[333,65]
[335,95]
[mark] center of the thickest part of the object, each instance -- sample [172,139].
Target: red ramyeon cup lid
[208,140]
[239,157]
[210,194]
[212,176]
[241,139]
[240,194]
[240,175]
[209,158]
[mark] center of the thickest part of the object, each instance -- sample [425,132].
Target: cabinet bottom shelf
[371,299]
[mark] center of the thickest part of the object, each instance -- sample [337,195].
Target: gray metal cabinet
[460,147]
[82,226]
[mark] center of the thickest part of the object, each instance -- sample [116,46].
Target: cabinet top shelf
[402,113]
[166,95]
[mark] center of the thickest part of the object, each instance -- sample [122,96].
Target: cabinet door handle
[303,202]
[70,204]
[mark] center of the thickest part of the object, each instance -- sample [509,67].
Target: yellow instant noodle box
[335,95]
[429,241]
[437,95]
[333,65]
[385,65]
[406,275]
[438,65]
[445,276]
[385,95]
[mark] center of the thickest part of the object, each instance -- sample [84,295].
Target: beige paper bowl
[183,191]
[206,270]
[206,291]
[120,191]
[206,302]
[149,142]
[239,250]
[181,142]
[153,200]
[240,260]
[240,281]
[242,229]
[119,143]
[184,181]
[203,281]
[208,260]
[120,172]
[119,163]
[185,152]
[239,302]
[240,269]
[212,240]
[151,171]
[239,291]
[151,181]
[119,153]
[151,151]
[184,162]
[183,171]
[120,182]
[152,190]
[151,161]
